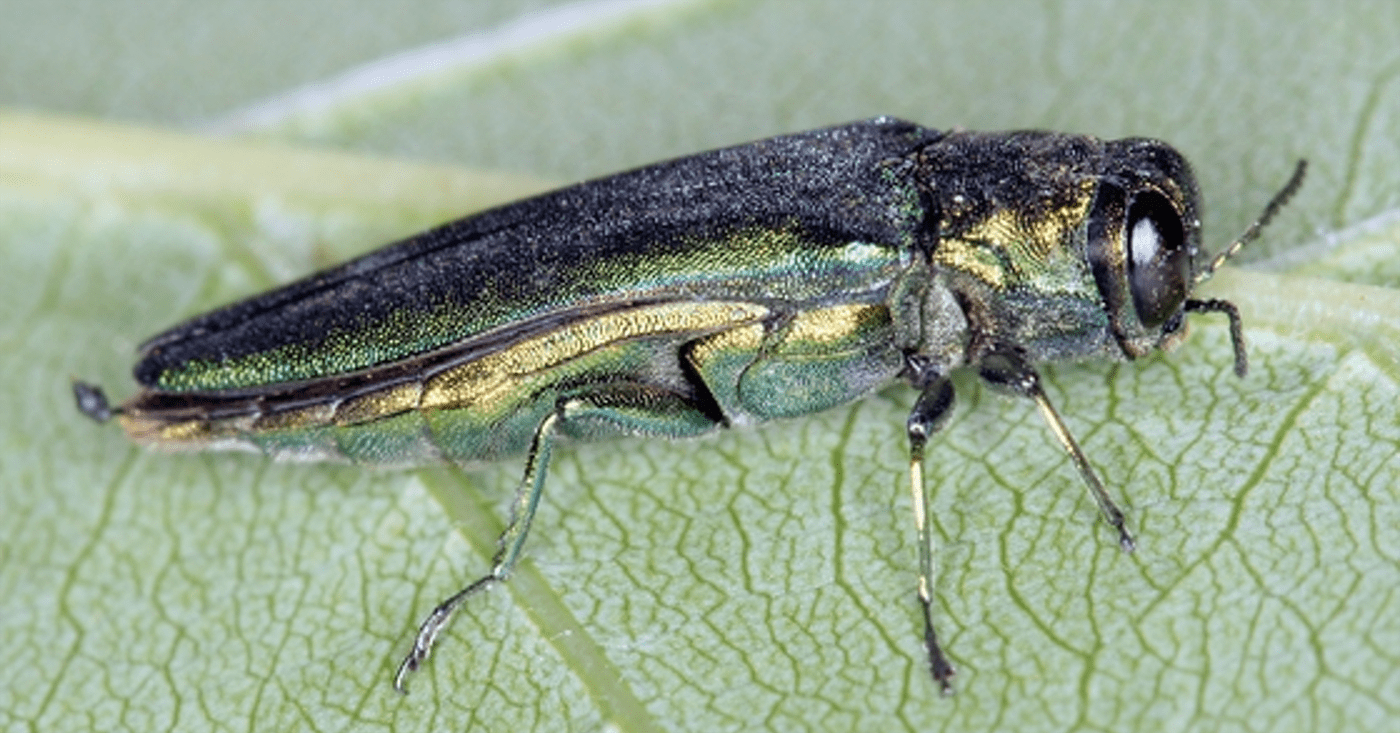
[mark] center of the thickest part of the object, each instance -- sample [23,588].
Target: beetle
[762,281]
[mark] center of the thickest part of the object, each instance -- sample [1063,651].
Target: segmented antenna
[1252,232]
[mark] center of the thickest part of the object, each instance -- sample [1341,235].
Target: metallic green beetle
[761,281]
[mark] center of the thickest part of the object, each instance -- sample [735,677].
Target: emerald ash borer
[761,281]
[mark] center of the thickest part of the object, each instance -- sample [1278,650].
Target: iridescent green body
[768,280]
[350,363]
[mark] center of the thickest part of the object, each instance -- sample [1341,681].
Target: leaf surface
[756,579]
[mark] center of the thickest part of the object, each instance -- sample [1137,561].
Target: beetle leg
[1009,370]
[627,408]
[930,412]
[512,540]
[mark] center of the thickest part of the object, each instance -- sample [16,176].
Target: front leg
[1008,370]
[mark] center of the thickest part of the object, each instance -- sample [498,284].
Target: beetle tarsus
[938,664]
[433,625]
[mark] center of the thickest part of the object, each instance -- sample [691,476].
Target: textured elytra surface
[759,578]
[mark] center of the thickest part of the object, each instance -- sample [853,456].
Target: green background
[759,579]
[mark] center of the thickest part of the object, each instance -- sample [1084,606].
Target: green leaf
[760,578]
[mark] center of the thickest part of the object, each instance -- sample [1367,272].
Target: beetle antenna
[1236,328]
[1252,233]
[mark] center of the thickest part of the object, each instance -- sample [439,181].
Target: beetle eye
[1158,262]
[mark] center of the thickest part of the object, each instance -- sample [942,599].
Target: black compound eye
[1158,261]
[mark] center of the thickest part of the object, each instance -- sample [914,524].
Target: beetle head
[1144,237]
